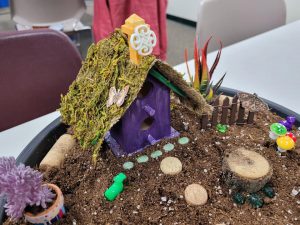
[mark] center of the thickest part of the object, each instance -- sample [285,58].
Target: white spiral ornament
[143,40]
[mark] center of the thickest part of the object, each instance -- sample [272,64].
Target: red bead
[291,135]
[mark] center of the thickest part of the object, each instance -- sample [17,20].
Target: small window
[147,123]
[146,89]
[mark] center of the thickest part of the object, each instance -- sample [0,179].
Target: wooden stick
[204,121]
[224,114]
[250,119]
[214,119]
[57,153]
[234,107]
[241,115]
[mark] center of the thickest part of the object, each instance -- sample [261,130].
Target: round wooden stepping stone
[171,166]
[168,147]
[246,170]
[156,154]
[195,194]
[128,165]
[183,140]
[142,159]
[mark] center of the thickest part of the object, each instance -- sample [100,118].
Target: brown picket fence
[226,112]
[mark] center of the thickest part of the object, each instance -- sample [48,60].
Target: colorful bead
[255,200]
[156,154]
[222,128]
[168,147]
[128,165]
[183,140]
[142,159]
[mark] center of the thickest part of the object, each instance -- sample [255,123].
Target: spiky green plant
[202,79]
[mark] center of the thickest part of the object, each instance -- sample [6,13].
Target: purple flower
[22,186]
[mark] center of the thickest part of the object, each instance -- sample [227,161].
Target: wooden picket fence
[228,113]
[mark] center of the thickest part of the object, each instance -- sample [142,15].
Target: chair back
[235,20]
[36,67]
[44,13]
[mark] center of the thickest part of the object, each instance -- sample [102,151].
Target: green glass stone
[268,191]
[168,147]
[183,140]
[128,165]
[255,200]
[142,159]
[222,128]
[238,198]
[156,154]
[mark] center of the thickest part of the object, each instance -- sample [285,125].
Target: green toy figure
[116,188]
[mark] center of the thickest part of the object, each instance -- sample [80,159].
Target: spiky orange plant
[202,76]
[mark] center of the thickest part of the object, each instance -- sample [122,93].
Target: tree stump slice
[246,170]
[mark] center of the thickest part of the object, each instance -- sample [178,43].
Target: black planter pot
[35,151]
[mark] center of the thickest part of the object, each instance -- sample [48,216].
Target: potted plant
[26,194]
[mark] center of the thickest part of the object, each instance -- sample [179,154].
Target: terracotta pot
[51,214]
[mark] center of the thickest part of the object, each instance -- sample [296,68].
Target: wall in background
[188,9]
[293,10]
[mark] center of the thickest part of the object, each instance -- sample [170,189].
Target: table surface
[267,64]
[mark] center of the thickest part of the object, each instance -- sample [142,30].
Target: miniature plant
[203,76]
[22,186]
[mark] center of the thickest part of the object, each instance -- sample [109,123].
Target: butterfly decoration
[117,96]
[252,102]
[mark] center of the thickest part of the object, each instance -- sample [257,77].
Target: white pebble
[74,222]
[294,192]
[164,199]
[135,212]
[205,170]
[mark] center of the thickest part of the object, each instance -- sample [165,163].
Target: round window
[147,123]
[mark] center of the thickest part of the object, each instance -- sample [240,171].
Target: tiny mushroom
[276,130]
[287,125]
[291,119]
[285,143]
[291,135]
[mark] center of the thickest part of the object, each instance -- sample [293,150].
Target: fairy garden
[146,147]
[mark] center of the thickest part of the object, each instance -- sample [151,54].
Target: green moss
[84,107]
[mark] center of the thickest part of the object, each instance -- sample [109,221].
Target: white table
[268,64]
[14,140]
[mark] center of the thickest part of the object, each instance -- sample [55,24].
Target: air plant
[22,186]
[202,80]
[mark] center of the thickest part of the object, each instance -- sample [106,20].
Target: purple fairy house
[145,122]
[129,104]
